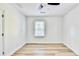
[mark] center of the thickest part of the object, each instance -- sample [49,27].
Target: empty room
[39,29]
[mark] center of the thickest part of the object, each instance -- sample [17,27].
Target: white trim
[76,52]
[17,49]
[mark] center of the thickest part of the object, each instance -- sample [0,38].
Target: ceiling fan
[42,6]
[51,4]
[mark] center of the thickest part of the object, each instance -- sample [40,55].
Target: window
[39,28]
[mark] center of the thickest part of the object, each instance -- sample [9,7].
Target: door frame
[2,32]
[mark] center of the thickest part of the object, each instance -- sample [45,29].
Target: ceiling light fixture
[41,6]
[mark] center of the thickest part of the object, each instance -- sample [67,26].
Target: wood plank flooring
[44,50]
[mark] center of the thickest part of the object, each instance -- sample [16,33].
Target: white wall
[53,29]
[15,29]
[71,30]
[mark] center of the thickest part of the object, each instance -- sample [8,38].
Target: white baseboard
[17,48]
[76,52]
[44,42]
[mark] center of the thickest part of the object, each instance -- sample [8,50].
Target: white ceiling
[32,9]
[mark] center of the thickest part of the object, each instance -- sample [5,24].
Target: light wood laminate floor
[44,50]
